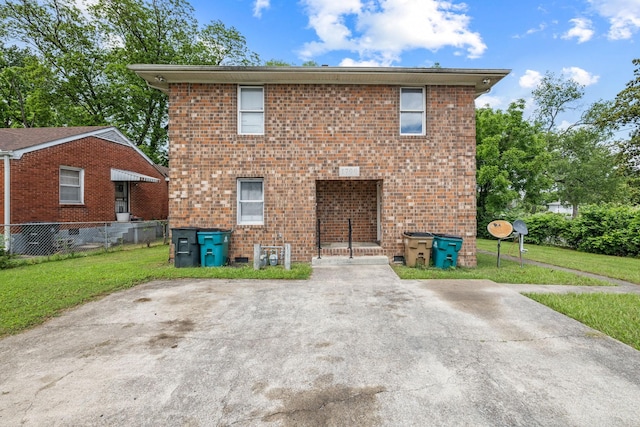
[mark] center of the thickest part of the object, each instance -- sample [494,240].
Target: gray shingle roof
[17,139]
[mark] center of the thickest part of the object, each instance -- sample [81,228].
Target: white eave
[122,175]
[160,76]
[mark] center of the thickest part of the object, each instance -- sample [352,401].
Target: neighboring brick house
[77,174]
[273,151]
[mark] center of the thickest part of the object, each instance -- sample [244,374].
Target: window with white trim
[71,185]
[250,110]
[250,201]
[412,111]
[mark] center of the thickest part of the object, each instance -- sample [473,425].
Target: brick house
[77,174]
[276,153]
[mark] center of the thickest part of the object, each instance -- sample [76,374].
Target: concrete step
[345,260]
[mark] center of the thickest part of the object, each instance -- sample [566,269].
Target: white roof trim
[122,175]
[110,134]
[160,76]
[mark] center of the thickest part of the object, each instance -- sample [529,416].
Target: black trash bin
[186,247]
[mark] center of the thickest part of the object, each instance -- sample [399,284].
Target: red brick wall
[35,183]
[339,201]
[428,182]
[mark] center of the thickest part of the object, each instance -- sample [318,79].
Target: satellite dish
[520,227]
[500,228]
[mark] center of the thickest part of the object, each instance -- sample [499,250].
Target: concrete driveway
[353,346]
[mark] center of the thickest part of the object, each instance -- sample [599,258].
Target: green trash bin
[445,250]
[214,246]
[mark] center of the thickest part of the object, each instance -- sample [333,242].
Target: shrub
[607,229]
[601,229]
[547,228]
[5,258]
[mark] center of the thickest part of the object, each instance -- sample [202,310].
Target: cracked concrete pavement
[354,345]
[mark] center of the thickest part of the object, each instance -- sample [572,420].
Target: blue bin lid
[446,236]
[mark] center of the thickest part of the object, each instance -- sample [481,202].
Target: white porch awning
[121,175]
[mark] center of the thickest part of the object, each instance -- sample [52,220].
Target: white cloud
[348,62]
[494,102]
[623,16]
[381,30]
[259,6]
[581,30]
[580,76]
[530,79]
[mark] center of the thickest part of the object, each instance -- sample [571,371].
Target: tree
[625,113]
[65,42]
[511,162]
[583,166]
[584,169]
[553,96]
[88,53]
[25,90]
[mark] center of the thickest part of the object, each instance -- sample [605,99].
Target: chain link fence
[38,239]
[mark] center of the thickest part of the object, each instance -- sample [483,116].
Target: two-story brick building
[281,153]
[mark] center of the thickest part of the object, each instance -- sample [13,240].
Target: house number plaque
[349,171]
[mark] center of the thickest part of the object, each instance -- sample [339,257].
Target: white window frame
[240,201]
[409,110]
[242,111]
[80,185]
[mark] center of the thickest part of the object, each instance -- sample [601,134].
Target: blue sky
[591,41]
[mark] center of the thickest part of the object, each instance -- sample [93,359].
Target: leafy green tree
[25,90]
[583,164]
[67,43]
[555,95]
[88,53]
[584,169]
[624,113]
[511,160]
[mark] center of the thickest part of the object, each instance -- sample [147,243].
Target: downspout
[7,199]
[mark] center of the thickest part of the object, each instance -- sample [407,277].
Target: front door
[122,196]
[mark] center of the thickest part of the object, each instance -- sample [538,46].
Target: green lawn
[613,314]
[509,272]
[627,269]
[32,293]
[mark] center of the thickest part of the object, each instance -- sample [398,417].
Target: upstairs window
[251,110]
[250,201]
[71,185]
[412,111]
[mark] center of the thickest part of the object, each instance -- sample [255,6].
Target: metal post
[350,246]
[257,250]
[499,253]
[287,256]
[7,200]
[319,244]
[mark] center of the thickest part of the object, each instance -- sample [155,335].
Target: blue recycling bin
[214,246]
[445,250]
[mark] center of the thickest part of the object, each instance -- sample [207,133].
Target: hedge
[600,229]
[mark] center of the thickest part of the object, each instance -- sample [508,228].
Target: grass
[509,272]
[617,315]
[622,268]
[31,294]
